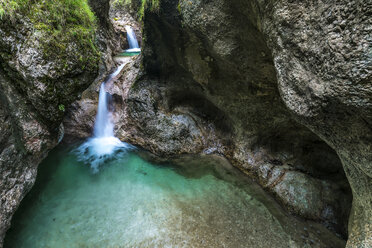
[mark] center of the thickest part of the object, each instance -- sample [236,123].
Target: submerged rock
[193,201]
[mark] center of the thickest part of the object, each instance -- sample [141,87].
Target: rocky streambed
[194,201]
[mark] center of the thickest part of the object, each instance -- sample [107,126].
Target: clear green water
[128,54]
[199,202]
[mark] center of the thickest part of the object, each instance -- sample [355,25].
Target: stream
[195,201]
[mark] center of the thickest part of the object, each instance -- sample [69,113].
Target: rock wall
[322,55]
[38,81]
[282,89]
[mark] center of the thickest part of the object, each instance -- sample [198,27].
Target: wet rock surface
[80,117]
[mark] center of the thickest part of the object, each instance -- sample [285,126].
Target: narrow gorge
[185,123]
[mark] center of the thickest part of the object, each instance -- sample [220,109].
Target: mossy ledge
[139,5]
[62,34]
[60,22]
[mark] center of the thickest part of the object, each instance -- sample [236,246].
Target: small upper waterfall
[132,40]
[103,144]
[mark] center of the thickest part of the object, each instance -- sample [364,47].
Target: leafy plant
[61,107]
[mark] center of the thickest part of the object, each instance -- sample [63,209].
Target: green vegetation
[58,24]
[152,5]
[61,107]
[117,3]
[65,11]
[8,7]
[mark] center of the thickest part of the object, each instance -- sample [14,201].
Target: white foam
[133,50]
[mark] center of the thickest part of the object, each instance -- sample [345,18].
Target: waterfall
[103,145]
[103,126]
[132,40]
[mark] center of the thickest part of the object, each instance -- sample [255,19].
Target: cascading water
[103,126]
[103,145]
[132,40]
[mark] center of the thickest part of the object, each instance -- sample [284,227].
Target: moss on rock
[59,22]
[139,5]
[49,48]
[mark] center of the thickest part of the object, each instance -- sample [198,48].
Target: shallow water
[200,202]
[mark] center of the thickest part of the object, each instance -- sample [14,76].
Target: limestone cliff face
[322,55]
[282,89]
[39,77]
